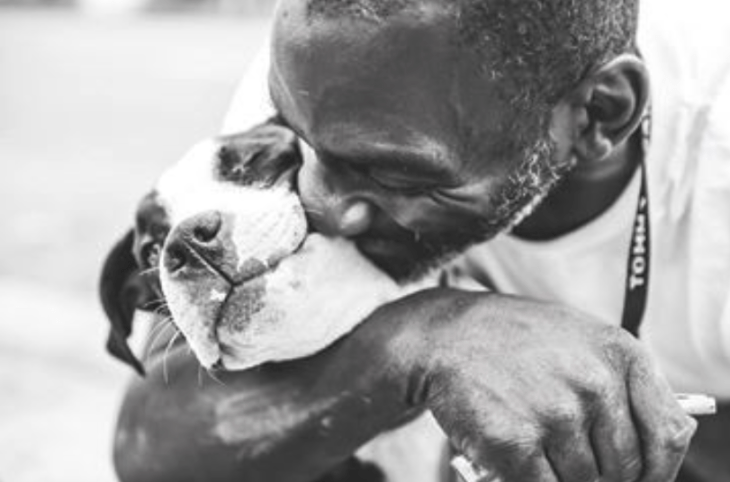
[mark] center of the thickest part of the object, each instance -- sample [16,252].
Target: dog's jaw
[313,298]
[195,307]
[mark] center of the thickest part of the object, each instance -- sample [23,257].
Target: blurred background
[96,98]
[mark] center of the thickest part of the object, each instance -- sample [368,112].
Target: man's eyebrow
[408,160]
[423,164]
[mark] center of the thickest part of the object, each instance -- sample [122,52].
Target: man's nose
[353,217]
[342,217]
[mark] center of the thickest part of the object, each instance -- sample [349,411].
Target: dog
[223,240]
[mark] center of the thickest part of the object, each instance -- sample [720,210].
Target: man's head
[434,124]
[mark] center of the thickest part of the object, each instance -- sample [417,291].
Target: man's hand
[536,392]
[531,391]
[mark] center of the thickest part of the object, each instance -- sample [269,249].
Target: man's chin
[403,262]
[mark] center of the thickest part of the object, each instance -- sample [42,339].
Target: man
[432,125]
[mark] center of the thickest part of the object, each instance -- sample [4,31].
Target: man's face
[409,148]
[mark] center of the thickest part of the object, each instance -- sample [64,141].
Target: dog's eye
[232,165]
[153,255]
[149,254]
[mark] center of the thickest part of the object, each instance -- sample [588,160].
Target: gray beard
[530,183]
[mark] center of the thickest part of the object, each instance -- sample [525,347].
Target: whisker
[162,322]
[149,270]
[211,374]
[166,318]
[313,211]
[165,327]
[152,303]
[164,357]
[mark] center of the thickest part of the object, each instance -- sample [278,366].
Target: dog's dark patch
[152,224]
[249,301]
[251,269]
[259,156]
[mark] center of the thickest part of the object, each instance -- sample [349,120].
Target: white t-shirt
[687,323]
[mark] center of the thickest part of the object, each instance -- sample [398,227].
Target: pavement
[91,110]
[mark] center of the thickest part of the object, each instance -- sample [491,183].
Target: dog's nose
[194,243]
[204,228]
[201,231]
[203,243]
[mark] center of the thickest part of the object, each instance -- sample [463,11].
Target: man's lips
[398,258]
[383,248]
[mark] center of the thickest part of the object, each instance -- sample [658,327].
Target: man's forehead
[360,21]
[326,56]
[407,74]
[326,53]
[369,9]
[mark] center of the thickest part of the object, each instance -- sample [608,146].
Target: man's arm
[276,423]
[534,392]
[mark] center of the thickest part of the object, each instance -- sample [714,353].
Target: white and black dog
[223,240]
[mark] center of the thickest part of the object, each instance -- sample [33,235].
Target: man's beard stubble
[529,184]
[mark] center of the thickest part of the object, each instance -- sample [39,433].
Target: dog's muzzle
[216,257]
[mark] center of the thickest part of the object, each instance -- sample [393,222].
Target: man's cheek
[315,197]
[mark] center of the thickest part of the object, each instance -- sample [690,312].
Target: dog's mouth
[237,316]
[214,295]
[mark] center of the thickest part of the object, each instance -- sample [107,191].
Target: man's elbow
[136,455]
[166,433]
[146,447]
[131,455]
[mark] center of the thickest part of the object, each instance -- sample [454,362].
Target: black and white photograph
[364,241]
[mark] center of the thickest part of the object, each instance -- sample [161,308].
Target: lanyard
[639,259]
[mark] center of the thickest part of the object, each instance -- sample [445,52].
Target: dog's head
[222,243]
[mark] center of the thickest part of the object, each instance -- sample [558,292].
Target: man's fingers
[517,458]
[616,444]
[572,458]
[663,428]
[531,468]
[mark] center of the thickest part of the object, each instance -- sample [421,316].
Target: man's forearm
[287,422]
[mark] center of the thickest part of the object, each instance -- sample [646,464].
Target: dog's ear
[121,290]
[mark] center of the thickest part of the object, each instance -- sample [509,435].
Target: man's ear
[611,102]
[121,290]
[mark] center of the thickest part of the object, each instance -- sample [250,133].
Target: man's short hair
[364,9]
[540,48]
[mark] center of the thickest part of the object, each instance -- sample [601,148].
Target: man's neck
[584,194]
